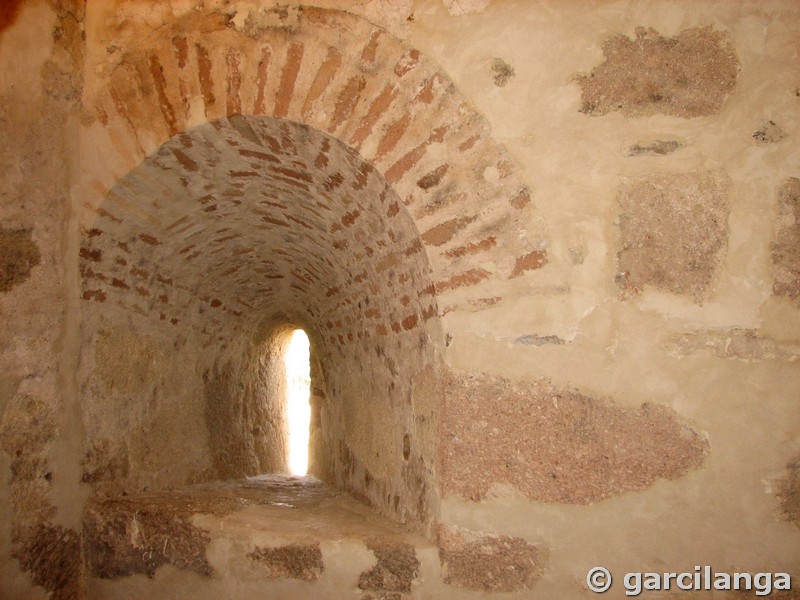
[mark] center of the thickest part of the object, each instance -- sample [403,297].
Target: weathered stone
[690,75]
[538,340]
[397,568]
[786,248]
[768,132]
[488,563]
[293,561]
[657,148]
[18,255]
[743,344]
[127,536]
[556,445]
[788,492]
[52,555]
[673,231]
[27,429]
[502,72]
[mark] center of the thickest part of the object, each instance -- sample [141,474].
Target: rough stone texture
[743,344]
[18,255]
[52,555]
[556,445]
[768,132]
[125,362]
[244,408]
[126,536]
[273,526]
[538,340]
[673,232]
[38,536]
[27,429]
[391,578]
[656,148]
[488,563]
[502,72]
[690,75]
[170,414]
[788,492]
[786,248]
[295,561]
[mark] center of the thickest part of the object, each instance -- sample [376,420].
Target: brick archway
[382,99]
[227,234]
[384,164]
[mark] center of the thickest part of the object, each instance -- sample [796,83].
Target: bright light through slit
[298,385]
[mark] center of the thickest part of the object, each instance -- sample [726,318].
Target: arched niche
[199,262]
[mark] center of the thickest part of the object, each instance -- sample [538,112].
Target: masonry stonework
[546,256]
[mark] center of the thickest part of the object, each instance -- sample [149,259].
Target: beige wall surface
[548,254]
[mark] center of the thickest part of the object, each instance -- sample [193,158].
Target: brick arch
[264,110]
[344,76]
[210,247]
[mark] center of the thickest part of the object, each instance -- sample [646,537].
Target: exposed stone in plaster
[244,407]
[538,340]
[27,428]
[62,74]
[673,231]
[18,255]
[656,148]
[293,561]
[391,577]
[274,526]
[744,344]
[788,492]
[556,445]
[106,465]
[127,363]
[768,132]
[786,248]
[690,75]
[502,72]
[52,555]
[126,536]
[488,563]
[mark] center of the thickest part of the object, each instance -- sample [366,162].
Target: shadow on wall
[200,263]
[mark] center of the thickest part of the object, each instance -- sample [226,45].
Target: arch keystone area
[385,101]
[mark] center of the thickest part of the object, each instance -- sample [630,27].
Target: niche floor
[266,537]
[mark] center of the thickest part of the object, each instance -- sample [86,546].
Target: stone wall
[547,255]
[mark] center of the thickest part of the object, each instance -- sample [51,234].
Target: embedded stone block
[673,231]
[18,255]
[488,563]
[555,444]
[689,75]
[786,248]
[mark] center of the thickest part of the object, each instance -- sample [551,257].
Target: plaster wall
[594,205]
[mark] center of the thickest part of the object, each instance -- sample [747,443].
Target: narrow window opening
[298,386]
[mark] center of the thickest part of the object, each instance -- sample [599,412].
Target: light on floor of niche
[298,387]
